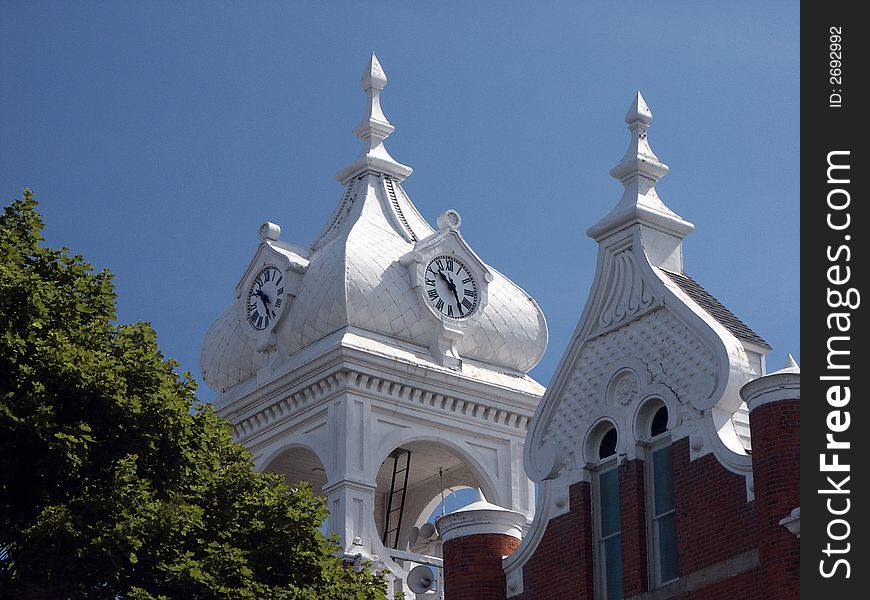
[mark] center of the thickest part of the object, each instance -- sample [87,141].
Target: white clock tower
[384,363]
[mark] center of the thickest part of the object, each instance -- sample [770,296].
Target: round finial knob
[449,219]
[269,231]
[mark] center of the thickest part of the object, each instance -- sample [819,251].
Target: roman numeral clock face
[450,288]
[265,300]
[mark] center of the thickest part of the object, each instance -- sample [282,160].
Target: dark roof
[724,316]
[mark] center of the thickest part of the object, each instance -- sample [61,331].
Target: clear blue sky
[159,135]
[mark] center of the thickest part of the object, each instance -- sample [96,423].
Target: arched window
[661,513]
[606,516]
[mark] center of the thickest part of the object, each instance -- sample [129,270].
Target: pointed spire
[639,160]
[638,111]
[373,130]
[639,171]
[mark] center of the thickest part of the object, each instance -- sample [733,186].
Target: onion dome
[369,271]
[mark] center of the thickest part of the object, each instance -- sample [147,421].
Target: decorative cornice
[402,222]
[287,404]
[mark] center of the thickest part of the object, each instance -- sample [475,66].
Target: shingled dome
[356,274]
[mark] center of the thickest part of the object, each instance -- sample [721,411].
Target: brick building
[667,461]
[386,362]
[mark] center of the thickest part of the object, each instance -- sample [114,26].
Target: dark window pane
[608,444]
[613,566]
[609,486]
[663,481]
[659,422]
[667,546]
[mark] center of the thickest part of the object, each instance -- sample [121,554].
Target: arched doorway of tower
[298,463]
[411,483]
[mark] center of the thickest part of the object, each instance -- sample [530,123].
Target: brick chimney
[475,539]
[774,420]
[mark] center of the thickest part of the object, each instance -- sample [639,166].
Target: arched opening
[659,423]
[653,418]
[297,464]
[402,504]
[602,442]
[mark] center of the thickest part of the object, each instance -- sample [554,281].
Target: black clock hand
[265,300]
[452,287]
[455,295]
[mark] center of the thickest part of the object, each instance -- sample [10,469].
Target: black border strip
[833,118]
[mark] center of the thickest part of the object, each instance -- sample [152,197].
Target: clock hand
[450,285]
[455,295]
[265,300]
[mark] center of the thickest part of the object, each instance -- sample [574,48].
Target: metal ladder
[398,473]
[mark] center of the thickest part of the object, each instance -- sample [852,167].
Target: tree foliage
[114,481]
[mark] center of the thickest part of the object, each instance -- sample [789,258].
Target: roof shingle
[716,309]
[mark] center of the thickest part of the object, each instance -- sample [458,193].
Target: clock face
[265,298]
[450,288]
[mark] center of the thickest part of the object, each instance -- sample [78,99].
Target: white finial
[639,171]
[373,76]
[638,111]
[449,219]
[639,160]
[269,231]
[373,130]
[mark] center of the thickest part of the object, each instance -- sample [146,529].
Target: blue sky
[158,136]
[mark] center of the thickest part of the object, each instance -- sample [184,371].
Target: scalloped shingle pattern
[354,278]
[228,356]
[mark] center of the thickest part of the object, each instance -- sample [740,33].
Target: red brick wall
[776,465]
[714,521]
[472,566]
[563,560]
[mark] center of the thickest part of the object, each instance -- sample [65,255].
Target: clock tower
[385,363]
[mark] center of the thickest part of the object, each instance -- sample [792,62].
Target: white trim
[497,520]
[771,388]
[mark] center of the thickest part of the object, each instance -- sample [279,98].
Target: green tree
[114,481]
